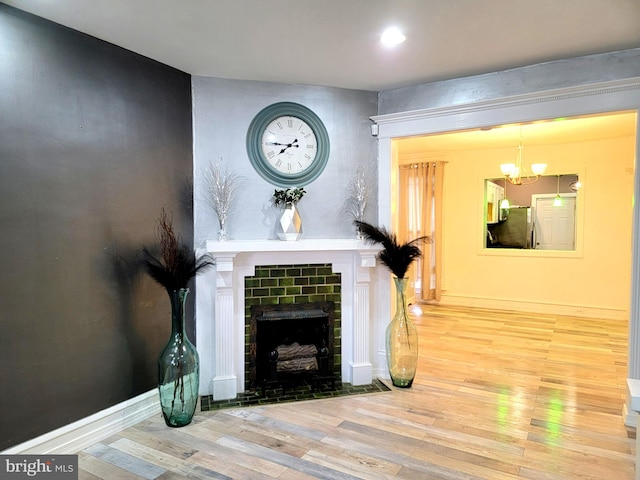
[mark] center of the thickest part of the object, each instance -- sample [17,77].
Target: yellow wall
[595,280]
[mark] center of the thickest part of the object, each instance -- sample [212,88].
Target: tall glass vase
[402,341]
[178,368]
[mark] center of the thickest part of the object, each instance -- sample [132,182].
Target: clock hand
[292,144]
[288,145]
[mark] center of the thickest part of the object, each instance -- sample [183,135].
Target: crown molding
[610,87]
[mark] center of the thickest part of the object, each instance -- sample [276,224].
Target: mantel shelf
[303,245]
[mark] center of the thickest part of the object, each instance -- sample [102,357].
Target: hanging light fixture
[557,201]
[517,173]
[504,203]
[575,185]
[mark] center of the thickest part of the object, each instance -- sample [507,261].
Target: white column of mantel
[205,301]
[224,377]
[361,366]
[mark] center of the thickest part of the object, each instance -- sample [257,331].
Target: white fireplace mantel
[220,309]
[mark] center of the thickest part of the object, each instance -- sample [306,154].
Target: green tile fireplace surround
[274,272]
[293,284]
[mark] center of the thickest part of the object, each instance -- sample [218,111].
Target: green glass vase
[402,341]
[178,368]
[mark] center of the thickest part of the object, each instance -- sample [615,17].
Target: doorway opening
[554,221]
[600,149]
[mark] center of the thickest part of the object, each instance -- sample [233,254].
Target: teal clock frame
[260,163]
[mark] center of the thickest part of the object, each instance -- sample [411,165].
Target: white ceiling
[335,42]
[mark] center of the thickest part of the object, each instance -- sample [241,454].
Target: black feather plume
[177,263]
[397,257]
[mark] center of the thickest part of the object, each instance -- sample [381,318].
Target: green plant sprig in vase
[289,223]
[288,197]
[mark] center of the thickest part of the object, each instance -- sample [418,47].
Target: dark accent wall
[94,142]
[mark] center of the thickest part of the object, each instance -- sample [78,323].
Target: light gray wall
[222,112]
[534,78]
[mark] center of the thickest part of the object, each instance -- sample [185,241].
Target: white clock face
[289,145]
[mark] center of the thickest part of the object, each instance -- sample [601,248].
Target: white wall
[222,112]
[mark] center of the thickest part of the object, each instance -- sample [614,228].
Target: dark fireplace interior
[291,344]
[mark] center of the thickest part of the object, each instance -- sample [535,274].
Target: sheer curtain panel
[420,213]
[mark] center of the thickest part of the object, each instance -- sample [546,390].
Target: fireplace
[291,344]
[287,288]
[222,308]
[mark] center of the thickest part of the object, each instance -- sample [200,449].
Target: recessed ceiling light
[392,36]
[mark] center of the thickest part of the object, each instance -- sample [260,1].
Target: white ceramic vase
[289,226]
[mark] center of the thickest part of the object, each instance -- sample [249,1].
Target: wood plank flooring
[498,395]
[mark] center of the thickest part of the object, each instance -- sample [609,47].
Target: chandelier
[517,173]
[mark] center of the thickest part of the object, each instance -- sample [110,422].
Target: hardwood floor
[498,395]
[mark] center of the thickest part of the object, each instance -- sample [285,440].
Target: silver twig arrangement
[356,203]
[222,188]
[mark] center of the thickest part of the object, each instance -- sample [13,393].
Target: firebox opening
[290,344]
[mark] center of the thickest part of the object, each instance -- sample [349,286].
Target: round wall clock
[288,144]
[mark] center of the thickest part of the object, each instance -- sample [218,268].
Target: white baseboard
[632,404]
[87,431]
[629,416]
[361,374]
[535,307]
[225,388]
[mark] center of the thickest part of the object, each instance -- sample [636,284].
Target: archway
[574,101]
